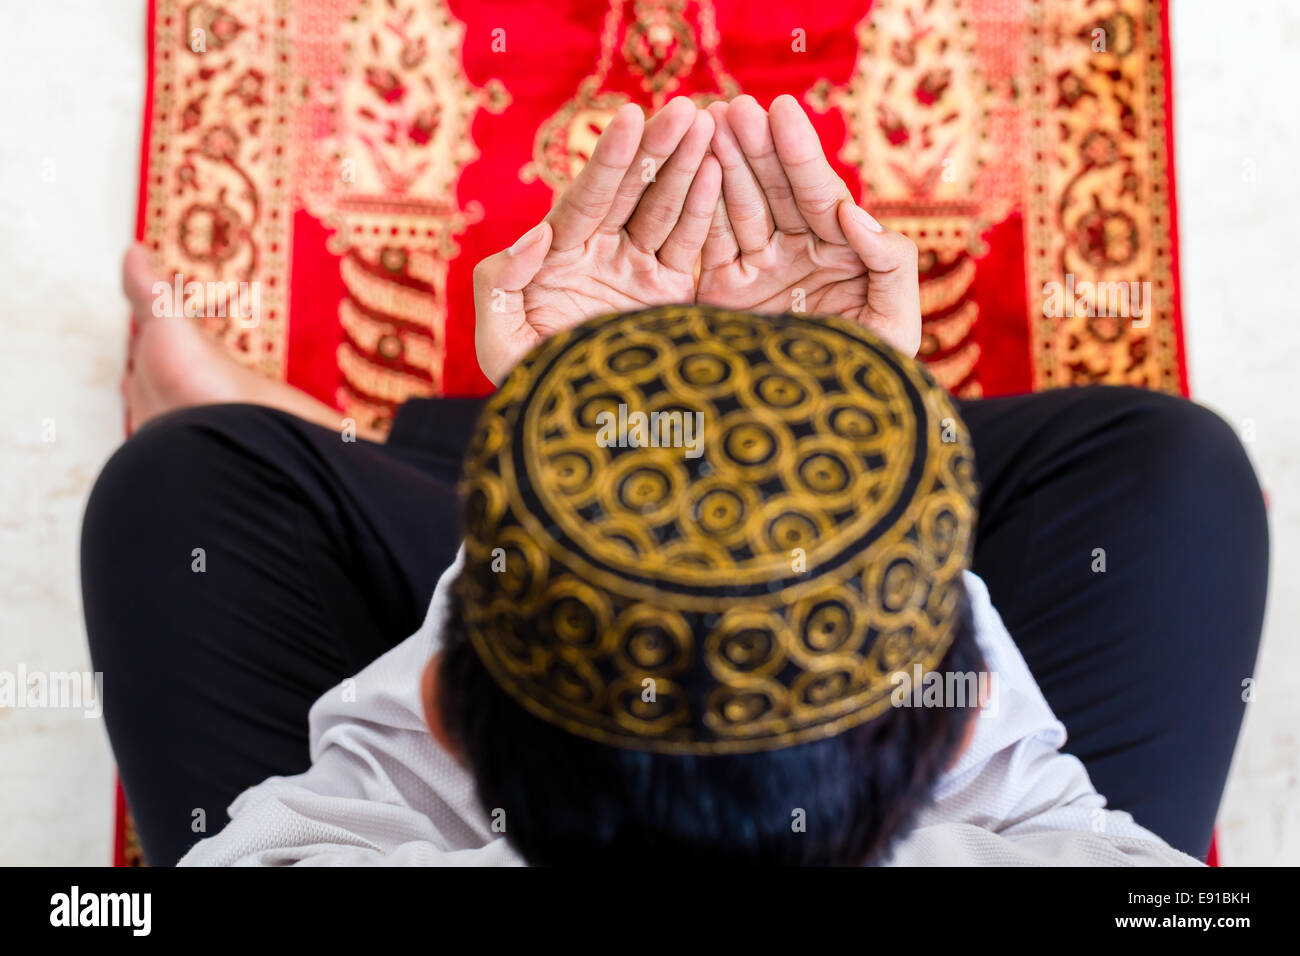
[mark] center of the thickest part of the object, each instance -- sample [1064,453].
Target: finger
[751,220]
[720,247]
[817,189]
[662,133]
[501,329]
[660,207]
[513,268]
[683,246]
[753,132]
[587,201]
[893,287]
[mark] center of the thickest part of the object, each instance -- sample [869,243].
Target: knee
[156,493]
[168,459]
[1178,437]
[1190,461]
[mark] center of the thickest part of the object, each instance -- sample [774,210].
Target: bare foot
[173,364]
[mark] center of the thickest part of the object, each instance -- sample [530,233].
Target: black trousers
[237,562]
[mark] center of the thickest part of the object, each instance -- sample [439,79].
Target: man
[328,550]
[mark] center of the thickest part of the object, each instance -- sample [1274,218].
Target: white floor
[1239,199]
[68,161]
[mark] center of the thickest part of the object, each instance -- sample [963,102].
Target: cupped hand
[626,234]
[788,237]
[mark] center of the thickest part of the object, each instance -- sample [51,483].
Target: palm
[797,272]
[606,274]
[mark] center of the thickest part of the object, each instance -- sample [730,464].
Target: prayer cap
[697,531]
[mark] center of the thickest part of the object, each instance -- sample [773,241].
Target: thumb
[512,269]
[880,249]
[502,334]
[893,307]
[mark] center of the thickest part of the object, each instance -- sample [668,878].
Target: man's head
[689,645]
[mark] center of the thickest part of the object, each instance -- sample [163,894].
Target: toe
[138,279]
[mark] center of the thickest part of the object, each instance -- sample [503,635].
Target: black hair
[568,800]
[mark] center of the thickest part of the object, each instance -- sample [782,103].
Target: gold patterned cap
[690,530]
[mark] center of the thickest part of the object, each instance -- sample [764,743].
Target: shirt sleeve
[380,790]
[1013,798]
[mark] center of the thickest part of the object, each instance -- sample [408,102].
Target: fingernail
[526,240]
[867,219]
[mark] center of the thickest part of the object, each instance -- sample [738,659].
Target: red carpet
[358,157]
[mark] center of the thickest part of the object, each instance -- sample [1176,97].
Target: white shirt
[381,791]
